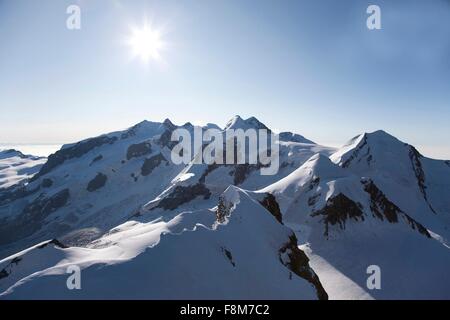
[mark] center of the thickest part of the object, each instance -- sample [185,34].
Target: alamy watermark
[73,22]
[73,282]
[259,147]
[374,20]
[374,279]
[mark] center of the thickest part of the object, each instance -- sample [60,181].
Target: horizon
[312,68]
[45,149]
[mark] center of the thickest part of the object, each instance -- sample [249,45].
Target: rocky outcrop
[357,152]
[98,182]
[139,150]
[96,159]
[415,157]
[181,195]
[385,209]
[8,269]
[338,210]
[47,183]
[75,151]
[229,256]
[297,261]
[13,193]
[241,172]
[270,203]
[32,217]
[165,140]
[151,163]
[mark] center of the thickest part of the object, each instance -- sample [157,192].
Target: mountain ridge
[374,198]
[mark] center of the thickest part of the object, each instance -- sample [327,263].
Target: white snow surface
[177,257]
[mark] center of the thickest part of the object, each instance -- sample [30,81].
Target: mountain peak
[380,135]
[365,149]
[294,137]
[168,123]
[238,123]
[9,153]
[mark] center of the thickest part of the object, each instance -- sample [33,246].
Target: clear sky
[311,67]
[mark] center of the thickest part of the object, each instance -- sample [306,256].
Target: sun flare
[146,43]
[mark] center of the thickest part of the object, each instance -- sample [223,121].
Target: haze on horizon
[311,67]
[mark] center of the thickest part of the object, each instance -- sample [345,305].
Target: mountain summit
[119,208]
[238,123]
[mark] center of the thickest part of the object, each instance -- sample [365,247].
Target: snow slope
[89,187]
[346,223]
[188,255]
[418,185]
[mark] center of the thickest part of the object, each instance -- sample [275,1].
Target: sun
[146,43]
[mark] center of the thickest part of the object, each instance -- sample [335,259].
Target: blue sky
[310,67]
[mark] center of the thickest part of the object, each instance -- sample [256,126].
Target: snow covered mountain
[366,207]
[192,254]
[418,185]
[121,209]
[16,167]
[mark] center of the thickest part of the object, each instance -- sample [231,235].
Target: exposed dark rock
[270,203]
[229,256]
[165,140]
[139,150]
[355,153]
[98,182]
[71,152]
[208,170]
[96,159]
[182,194]
[13,193]
[32,217]
[151,163]
[338,210]
[242,171]
[223,210]
[314,183]
[417,226]
[383,208]
[55,242]
[47,183]
[380,205]
[415,157]
[285,164]
[298,263]
[313,199]
[3,274]
[45,206]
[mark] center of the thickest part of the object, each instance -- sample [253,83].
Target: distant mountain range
[141,227]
